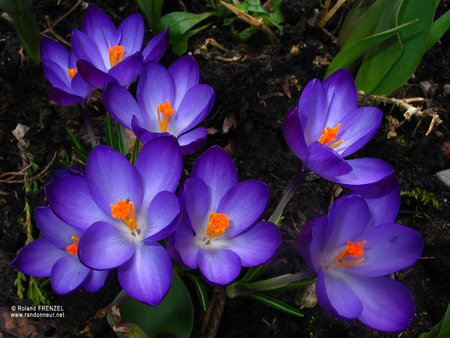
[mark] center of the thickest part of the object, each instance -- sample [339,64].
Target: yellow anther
[166,110]
[115,55]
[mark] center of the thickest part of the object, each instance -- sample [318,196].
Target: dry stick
[330,14]
[22,172]
[410,109]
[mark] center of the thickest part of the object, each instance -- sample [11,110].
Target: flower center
[124,211]
[73,248]
[115,55]
[216,226]
[166,110]
[72,72]
[329,135]
[353,250]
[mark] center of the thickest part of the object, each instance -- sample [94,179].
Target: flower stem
[87,123]
[280,281]
[276,216]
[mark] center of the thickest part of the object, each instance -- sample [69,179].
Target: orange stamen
[72,72]
[216,225]
[115,55]
[329,135]
[353,250]
[73,248]
[124,211]
[166,110]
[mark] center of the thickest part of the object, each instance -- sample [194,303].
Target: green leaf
[173,317]
[295,285]
[201,291]
[415,41]
[354,51]
[440,26]
[253,273]
[276,304]
[137,143]
[255,6]
[440,330]
[181,45]
[245,34]
[179,23]
[152,10]
[78,148]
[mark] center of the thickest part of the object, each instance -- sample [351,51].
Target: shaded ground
[253,94]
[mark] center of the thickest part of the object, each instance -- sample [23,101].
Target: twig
[330,14]
[404,104]
[22,172]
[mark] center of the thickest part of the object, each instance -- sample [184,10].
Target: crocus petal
[147,276]
[357,128]
[326,162]
[120,104]
[257,245]
[196,104]
[164,215]
[92,75]
[366,173]
[383,201]
[195,198]
[322,296]
[145,136]
[157,46]
[192,141]
[56,75]
[37,258]
[63,98]
[346,222]
[103,247]
[127,70]
[159,165]
[81,87]
[173,253]
[53,51]
[341,96]
[185,73]
[244,204]
[305,237]
[99,27]
[389,248]
[131,32]
[218,171]
[85,48]
[54,229]
[342,298]
[317,112]
[68,274]
[293,133]
[187,245]
[113,182]
[387,304]
[155,86]
[219,267]
[96,280]
[319,235]
[77,208]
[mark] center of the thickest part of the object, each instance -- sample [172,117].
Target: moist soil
[256,83]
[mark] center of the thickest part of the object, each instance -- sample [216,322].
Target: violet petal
[219,267]
[68,274]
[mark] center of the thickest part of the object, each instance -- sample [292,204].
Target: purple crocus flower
[61,71]
[169,101]
[106,54]
[123,211]
[353,249]
[327,126]
[220,231]
[55,256]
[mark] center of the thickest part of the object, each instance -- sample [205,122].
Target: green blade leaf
[181,45]
[253,273]
[179,23]
[415,41]
[354,51]
[441,329]
[152,10]
[276,304]
[440,26]
[201,291]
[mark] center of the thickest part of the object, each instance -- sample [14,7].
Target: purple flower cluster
[169,101]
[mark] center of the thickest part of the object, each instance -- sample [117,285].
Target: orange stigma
[329,135]
[353,250]
[216,225]
[72,72]
[73,248]
[124,211]
[115,55]
[166,110]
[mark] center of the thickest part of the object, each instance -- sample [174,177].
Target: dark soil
[253,94]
